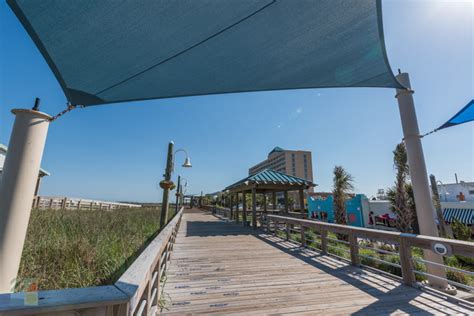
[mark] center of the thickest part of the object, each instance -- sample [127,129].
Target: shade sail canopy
[466,114]
[113,51]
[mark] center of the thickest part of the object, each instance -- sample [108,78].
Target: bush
[460,230]
[458,277]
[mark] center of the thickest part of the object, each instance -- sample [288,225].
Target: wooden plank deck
[219,267]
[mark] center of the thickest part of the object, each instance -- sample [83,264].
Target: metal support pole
[166,191]
[17,188]
[177,194]
[419,178]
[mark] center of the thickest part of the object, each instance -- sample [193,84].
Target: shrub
[458,277]
[460,230]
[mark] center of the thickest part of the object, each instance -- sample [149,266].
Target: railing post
[354,247]
[157,282]
[63,204]
[324,241]
[287,225]
[406,262]
[303,236]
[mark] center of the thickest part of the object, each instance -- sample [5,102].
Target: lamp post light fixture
[166,184]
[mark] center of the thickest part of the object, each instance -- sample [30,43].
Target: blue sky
[118,151]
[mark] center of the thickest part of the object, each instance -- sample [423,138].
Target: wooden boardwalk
[219,267]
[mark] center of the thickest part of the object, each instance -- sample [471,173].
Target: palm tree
[401,195]
[341,190]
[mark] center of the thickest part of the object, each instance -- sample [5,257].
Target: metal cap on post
[20,173]
[419,178]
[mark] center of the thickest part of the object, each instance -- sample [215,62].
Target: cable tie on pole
[433,131]
[69,108]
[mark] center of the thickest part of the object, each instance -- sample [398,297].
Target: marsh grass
[68,248]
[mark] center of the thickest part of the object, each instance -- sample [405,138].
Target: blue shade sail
[113,51]
[465,115]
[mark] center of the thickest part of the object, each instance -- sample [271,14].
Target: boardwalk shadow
[390,296]
[219,227]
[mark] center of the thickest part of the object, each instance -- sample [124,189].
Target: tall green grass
[70,248]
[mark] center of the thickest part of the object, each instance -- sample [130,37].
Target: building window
[471,192]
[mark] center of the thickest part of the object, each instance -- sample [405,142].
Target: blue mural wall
[324,210]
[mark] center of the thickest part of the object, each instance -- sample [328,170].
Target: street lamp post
[166,184]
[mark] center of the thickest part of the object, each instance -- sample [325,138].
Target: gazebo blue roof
[269,176]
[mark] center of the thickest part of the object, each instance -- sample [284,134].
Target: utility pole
[419,177]
[166,185]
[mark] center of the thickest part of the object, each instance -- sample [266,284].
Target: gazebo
[265,182]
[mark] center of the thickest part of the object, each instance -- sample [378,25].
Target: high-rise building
[297,163]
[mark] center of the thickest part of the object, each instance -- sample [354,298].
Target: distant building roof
[269,176]
[276,150]
[3,152]
[462,183]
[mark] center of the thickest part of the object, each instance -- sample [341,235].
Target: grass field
[65,248]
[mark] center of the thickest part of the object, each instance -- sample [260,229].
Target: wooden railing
[137,292]
[69,203]
[402,244]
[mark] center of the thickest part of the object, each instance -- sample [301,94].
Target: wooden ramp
[219,267]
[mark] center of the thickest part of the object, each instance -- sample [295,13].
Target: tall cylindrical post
[166,190]
[17,189]
[419,177]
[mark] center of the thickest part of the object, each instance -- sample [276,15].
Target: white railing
[69,203]
[137,292]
